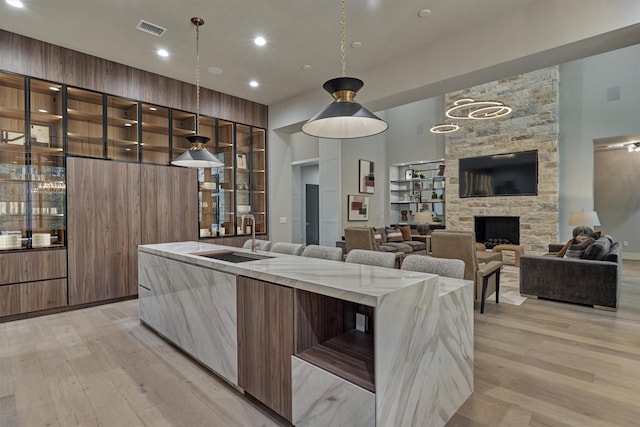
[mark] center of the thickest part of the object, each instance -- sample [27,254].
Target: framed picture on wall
[358,208]
[366,180]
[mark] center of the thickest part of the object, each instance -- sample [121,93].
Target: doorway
[312,214]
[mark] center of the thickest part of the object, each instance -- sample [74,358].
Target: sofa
[398,239]
[384,239]
[583,271]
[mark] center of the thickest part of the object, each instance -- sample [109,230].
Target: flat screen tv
[511,174]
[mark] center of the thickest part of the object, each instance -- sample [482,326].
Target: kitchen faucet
[254,244]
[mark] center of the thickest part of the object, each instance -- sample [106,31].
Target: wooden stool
[517,249]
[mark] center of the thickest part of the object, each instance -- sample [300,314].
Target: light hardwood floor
[539,364]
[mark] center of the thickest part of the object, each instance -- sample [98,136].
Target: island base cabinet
[193,307]
[321,399]
[265,342]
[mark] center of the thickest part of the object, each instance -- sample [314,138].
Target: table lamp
[423,219]
[583,221]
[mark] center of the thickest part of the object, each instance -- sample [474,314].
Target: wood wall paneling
[265,342]
[43,60]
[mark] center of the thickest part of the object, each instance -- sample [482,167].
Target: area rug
[509,286]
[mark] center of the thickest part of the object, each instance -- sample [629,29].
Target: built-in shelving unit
[327,337]
[417,187]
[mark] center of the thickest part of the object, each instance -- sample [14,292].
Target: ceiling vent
[150,28]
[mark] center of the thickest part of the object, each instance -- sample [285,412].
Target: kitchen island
[319,342]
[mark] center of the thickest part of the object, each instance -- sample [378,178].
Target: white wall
[586,114]
[372,149]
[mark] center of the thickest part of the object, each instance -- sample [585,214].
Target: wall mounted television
[510,174]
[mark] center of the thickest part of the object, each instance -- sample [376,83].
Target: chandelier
[470,109]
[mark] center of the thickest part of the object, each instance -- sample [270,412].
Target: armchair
[462,245]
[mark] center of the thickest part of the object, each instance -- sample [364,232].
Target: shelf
[45,118]
[85,117]
[348,356]
[12,113]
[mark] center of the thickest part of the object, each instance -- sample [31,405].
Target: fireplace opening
[497,230]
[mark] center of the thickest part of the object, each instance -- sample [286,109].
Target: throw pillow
[406,232]
[393,234]
[577,240]
[577,250]
[613,253]
[380,235]
[598,249]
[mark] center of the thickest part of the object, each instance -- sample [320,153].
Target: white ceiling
[298,32]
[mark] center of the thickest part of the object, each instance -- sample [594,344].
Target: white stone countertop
[362,284]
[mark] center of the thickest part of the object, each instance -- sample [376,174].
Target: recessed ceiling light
[424,13]
[128,125]
[306,67]
[153,109]
[254,83]
[42,110]
[162,52]
[356,45]
[260,41]
[214,70]
[15,3]
[55,89]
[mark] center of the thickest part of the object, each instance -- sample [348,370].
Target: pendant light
[344,118]
[197,156]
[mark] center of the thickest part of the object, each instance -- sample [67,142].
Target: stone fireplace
[533,125]
[497,230]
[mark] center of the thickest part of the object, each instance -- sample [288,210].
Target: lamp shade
[589,218]
[197,156]
[344,118]
[423,217]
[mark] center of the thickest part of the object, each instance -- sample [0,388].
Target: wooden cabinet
[122,129]
[32,281]
[265,342]
[169,204]
[104,229]
[85,130]
[32,176]
[113,208]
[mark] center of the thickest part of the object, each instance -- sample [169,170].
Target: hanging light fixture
[197,156]
[467,108]
[344,118]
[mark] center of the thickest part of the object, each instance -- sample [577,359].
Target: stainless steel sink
[231,256]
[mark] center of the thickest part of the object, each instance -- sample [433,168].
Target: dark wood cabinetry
[112,208]
[32,281]
[104,229]
[265,342]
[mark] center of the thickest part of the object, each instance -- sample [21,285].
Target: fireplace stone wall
[533,125]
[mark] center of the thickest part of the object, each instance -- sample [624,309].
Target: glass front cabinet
[32,173]
[43,122]
[229,193]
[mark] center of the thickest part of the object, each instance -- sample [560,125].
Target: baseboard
[631,255]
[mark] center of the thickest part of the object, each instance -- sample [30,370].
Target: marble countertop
[352,282]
